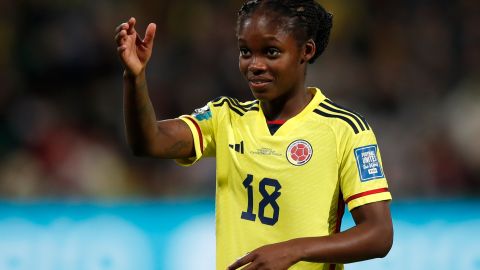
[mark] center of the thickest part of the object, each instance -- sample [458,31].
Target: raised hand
[134,52]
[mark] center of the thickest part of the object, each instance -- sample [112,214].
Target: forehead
[264,25]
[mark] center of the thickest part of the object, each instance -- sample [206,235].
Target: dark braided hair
[306,19]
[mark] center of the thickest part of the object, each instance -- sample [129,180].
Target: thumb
[150,34]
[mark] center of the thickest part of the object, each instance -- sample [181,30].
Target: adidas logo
[238,147]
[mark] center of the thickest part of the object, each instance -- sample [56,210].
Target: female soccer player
[287,162]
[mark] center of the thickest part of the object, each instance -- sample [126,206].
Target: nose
[257,66]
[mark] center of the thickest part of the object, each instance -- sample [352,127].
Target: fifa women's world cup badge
[299,152]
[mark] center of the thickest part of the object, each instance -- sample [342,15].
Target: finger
[121,27]
[120,37]
[150,34]
[242,261]
[131,25]
[251,266]
[121,49]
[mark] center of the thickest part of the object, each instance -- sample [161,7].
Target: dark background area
[411,67]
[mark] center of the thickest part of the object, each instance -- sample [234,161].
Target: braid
[307,19]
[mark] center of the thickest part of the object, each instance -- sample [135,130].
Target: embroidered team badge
[367,162]
[299,152]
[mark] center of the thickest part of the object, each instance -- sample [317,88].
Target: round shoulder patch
[299,152]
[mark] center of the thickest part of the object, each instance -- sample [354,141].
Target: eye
[244,52]
[273,52]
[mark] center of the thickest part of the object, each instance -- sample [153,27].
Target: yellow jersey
[292,184]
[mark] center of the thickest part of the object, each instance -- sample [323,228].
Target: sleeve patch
[203,113]
[367,162]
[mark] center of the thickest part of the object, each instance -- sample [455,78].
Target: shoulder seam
[342,117]
[235,105]
[345,113]
[361,117]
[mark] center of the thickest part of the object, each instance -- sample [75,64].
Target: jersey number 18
[268,199]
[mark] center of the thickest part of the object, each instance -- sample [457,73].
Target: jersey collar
[291,123]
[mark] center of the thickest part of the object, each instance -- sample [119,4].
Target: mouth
[258,83]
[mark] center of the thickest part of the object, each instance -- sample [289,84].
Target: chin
[260,95]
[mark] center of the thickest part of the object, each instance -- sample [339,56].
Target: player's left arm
[372,237]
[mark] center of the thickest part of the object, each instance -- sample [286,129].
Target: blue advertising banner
[181,235]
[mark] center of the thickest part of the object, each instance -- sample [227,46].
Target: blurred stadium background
[73,197]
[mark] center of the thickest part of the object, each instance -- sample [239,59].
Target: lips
[258,82]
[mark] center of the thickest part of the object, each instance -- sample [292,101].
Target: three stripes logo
[238,147]
[332,110]
[236,106]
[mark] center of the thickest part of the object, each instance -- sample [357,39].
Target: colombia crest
[299,152]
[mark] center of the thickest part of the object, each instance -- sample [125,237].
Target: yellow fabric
[288,200]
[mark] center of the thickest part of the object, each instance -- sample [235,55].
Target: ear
[308,51]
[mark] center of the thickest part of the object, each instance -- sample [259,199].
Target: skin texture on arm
[372,237]
[145,135]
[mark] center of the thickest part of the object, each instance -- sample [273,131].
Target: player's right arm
[145,135]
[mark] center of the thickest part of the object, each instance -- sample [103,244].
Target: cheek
[287,73]
[285,67]
[242,65]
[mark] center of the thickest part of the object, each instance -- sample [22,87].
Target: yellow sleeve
[362,179]
[201,124]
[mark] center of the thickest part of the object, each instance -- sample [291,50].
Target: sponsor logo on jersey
[368,164]
[203,113]
[299,152]
[238,147]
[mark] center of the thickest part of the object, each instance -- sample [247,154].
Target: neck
[286,106]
